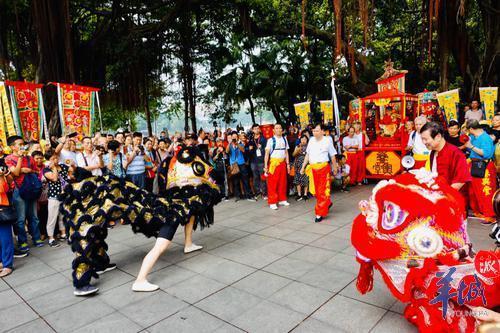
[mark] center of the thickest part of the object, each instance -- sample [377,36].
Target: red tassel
[364,283]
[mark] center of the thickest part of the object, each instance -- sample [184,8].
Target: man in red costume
[319,154]
[277,166]
[445,159]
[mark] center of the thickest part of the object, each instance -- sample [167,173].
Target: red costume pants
[322,183]
[276,182]
[481,191]
[353,162]
[360,173]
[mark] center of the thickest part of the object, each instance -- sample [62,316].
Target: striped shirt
[137,166]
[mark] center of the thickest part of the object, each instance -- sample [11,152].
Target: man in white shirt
[475,112]
[351,145]
[320,155]
[90,160]
[277,166]
[415,144]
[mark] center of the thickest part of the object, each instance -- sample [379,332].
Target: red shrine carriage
[382,116]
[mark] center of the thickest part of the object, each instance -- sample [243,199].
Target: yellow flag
[302,111]
[327,110]
[489,97]
[448,101]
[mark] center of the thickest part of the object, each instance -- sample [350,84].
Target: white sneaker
[144,286]
[192,248]
[284,203]
[273,207]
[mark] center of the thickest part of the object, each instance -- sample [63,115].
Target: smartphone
[72,135]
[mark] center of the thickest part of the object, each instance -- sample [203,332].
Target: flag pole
[99,108]
[336,112]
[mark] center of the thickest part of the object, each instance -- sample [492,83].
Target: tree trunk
[52,26]
[252,109]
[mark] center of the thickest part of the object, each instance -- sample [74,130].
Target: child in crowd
[56,175]
[342,177]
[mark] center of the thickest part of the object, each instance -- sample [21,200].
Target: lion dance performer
[413,231]
[188,198]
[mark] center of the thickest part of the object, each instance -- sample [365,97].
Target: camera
[100,148]
[3,169]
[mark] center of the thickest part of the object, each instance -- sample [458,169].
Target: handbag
[478,168]
[8,214]
[234,169]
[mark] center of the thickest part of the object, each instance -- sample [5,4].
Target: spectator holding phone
[21,168]
[114,160]
[89,159]
[136,170]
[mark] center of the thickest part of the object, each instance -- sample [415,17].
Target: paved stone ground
[260,271]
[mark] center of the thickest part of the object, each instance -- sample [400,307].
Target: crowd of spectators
[137,158]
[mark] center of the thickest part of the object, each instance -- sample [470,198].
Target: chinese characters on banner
[427,103]
[76,108]
[396,82]
[6,123]
[449,102]
[302,110]
[26,104]
[489,97]
[383,163]
[327,110]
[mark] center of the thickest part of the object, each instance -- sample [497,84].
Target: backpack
[31,187]
[274,145]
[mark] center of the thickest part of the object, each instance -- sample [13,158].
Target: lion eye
[393,216]
[198,169]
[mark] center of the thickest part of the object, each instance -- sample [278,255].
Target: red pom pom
[364,283]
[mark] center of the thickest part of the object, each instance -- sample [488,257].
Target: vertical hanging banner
[6,123]
[26,109]
[327,110]
[355,110]
[76,108]
[449,100]
[302,110]
[489,97]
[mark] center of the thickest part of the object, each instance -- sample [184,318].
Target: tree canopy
[183,57]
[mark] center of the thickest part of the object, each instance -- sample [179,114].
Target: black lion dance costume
[187,193]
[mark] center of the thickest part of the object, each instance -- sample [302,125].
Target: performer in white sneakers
[277,166]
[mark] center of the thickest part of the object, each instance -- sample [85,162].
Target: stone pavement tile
[393,322]
[251,226]
[55,300]
[133,265]
[227,328]
[195,288]
[9,298]
[262,284]
[268,317]
[169,276]
[228,272]
[332,243]
[344,262]
[398,307]
[188,320]
[136,240]
[210,243]
[37,325]
[253,241]
[344,232]
[276,231]
[115,322]
[62,263]
[341,311]
[255,258]
[379,295]
[290,268]
[325,277]
[39,287]
[16,315]
[28,273]
[228,303]
[312,325]
[201,262]
[117,247]
[281,247]
[318,228]
[230,234]
[123,296]
[300,297]
[3,286]
[78,315]
[153,309]
[312,254]
[302,237]
[112,279]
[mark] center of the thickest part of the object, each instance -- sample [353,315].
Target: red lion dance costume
[413,231]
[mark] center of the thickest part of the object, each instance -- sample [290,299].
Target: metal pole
[99,108]
[336,111]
